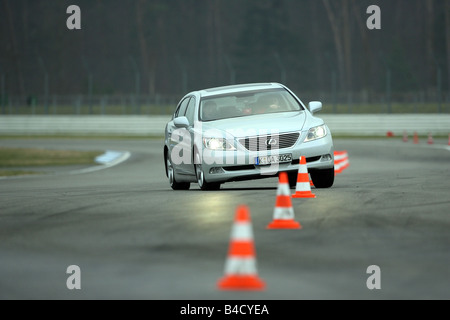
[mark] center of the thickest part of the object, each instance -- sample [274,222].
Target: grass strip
[10,173]
[18,159]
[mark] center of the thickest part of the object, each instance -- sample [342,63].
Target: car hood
[257,124]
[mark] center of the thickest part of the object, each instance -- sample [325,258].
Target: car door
[175,138]
[190,115]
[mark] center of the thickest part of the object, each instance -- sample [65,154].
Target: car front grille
[270,142]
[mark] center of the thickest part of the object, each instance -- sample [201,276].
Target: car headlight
[217,144]
[316,133]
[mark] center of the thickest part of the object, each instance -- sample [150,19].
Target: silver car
[244,132]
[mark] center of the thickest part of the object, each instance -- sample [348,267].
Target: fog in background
[322,49]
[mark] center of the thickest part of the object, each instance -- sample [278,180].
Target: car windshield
[246,104]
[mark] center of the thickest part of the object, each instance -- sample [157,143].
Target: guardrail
[380,124]
[135,125]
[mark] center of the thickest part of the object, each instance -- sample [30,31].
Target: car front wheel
[200,174]
[171,175]
[292,176]
[322,178]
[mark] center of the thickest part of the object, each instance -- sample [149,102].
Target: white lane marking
[109,159]
[442,147]
[108,156]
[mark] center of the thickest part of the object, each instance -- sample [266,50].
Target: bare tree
[214,39]
[430,58]
[341,39]
[148,56]
[316,44]
[447,38]
[346,37]
[14,46]
[367,68]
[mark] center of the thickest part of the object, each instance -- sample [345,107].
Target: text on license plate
[264,160]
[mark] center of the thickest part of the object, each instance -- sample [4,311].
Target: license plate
[265,160]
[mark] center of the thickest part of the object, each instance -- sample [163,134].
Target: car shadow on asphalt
[238,189]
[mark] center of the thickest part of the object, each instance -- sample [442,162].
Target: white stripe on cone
[338,166]
[340,161]
[283,189]
[340,156]
[241,231]
[240,265]
[283,213]
[303,186]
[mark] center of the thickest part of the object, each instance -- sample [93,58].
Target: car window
[208,110]
[181,110]
[190,111]
[247,104]
[176,111]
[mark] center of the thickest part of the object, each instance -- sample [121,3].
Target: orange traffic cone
[283,214]
[341,161]
[405,137]
[430,139]
[240,267]
[311,183]
[416,138]
[303,188]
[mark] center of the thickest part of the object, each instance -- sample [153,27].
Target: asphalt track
[135,238]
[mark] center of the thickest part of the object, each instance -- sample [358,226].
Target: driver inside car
[209,111]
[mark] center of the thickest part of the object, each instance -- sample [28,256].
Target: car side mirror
[181,122]
[315,106]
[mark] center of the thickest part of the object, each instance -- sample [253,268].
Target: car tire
[203,185]
[174,184]
[292,176]
[322,178]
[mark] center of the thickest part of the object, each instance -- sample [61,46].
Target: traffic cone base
[303,194]
[284,224]
[242,282]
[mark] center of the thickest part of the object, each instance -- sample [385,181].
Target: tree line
[171,47]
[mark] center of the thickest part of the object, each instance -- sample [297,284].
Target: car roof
[238,88]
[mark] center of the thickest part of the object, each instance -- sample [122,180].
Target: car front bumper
[224,166]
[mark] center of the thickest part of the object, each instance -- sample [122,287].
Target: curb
[109,159]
